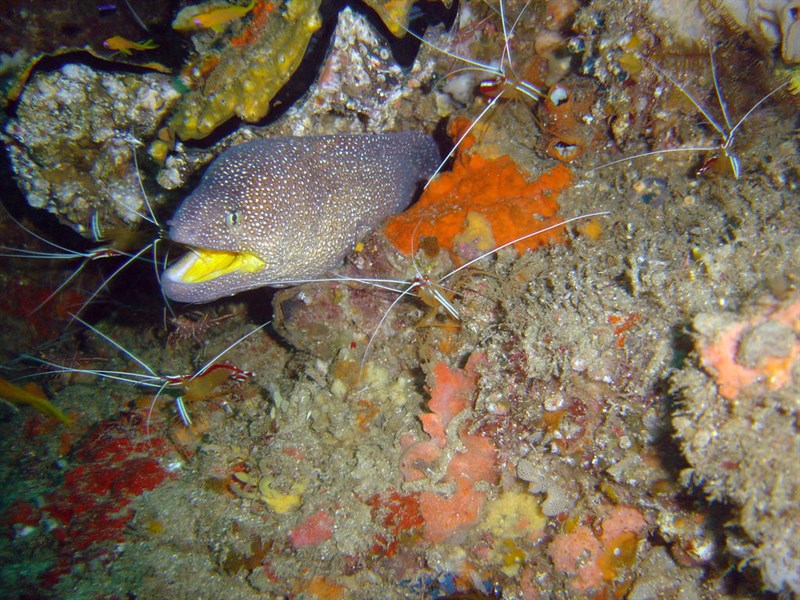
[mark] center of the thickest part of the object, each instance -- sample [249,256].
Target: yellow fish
[124,45]
[209,15]
[16,395]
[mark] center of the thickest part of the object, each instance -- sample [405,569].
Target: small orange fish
[16,395]
[125,46]
[209,15]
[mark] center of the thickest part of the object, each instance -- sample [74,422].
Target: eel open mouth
[200,265]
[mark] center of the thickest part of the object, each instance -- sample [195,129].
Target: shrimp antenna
[601,213]
[205,367]
[726,132]
[136,17]
[117,345]
[463,136]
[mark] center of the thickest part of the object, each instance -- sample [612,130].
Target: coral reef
[562,117]
[445,513]
[609,416]
[593,558]
[314,530]
[738,428]
[72,142]
[769,24]
[360,78]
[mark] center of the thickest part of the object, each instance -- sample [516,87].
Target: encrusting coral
[738,427]
[593,559]
[446,514]
[541,465]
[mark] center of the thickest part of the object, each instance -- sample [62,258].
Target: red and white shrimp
[723,153]
[183,388]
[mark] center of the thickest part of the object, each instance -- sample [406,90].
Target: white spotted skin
[298,203]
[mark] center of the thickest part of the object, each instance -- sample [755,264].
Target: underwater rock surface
[737,424]
[72,141]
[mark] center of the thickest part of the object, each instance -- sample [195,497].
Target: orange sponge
[459,204]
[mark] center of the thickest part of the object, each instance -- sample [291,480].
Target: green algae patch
[250,70]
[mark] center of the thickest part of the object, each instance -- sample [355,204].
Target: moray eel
[274,211]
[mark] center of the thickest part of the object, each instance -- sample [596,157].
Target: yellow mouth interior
[204,265]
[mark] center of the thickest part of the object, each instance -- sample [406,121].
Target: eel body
[275,211]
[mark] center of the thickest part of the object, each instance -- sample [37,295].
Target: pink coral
[475,463]
[417,457]
[313,530]
[596,560]
[622,519]
[450,395]
[576,553]
[445,515]
[719,356]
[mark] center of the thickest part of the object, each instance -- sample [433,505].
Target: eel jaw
[187,279]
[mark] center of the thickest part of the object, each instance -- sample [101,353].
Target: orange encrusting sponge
[495,189]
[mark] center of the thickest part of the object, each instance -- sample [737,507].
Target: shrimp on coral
[184,387]
[502,77]
[723,159]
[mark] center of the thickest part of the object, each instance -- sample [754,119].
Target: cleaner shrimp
[436,293]
[517,73]
[183,388]
[723,155]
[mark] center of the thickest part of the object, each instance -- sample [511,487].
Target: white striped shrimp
[182,388]
[723,156]
[516,72]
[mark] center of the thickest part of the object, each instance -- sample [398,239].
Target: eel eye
[232,218]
